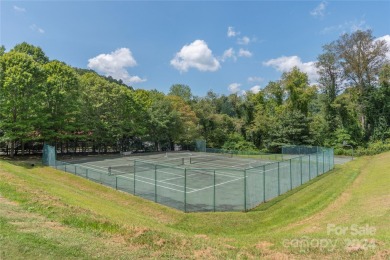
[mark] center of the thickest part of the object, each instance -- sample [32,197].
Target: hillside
[46,214]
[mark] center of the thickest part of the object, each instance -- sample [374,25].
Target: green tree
[35,52]
[182,91]
[299,92]
[330,72]
[346,105]
[109,111]
[291,127]
[163,123]
[187,130]
[237,142]
[2,50]
[20,89]
[361,57]
[380,106]
[61,102]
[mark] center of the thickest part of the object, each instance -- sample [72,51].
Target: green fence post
[75,170]
[65,168]
[278,179]
[86,173]
[300,158]
[290,176]
[245,190]
[317,164]
[333,157]
[134,177]
[309,168]
[116,182]
[264,182]
[323,161]
[155,183]
[185,189]
[214,193]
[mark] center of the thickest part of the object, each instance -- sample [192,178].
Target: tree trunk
[22,143]
[12,152]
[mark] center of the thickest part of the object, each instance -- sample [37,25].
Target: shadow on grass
[27,162]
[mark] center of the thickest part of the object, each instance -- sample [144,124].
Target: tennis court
[200,181]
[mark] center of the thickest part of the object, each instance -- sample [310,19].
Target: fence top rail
[166,164]
[154,163]
[296,157]
[80,166]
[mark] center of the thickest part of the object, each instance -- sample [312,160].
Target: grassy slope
[46,213]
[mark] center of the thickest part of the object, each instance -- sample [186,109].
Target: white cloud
[244,53]
[231,32]
[115,64]
[255,79]
[255,89]
[229,53]
[195,55]
[346,27]
[234,88]
[385,38]
[35,28]
[19,9]
[244,40]
[319,10]
[285,64]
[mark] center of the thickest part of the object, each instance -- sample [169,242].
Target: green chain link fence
[200,189]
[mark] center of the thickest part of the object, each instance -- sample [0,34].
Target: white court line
[197,174]
[272,169]
[118,171]
[189,154]
[82,166]
[180,176]
[238,166]
[153,184]
[161,171]
[93,165]
[143,177]
[194,190]
[201,171]
[212,186]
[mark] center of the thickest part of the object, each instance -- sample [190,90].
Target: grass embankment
[45,213]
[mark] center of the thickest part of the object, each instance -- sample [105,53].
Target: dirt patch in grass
[377,203]
[4,201]
[312,223]
[381,255]
[278,256]
[202,236]
[206,253]
[26,222]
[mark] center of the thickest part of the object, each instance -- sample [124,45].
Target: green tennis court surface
[199,181]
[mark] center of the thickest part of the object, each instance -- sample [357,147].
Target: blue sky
[224,46]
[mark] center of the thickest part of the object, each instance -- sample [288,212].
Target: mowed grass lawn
[47,214]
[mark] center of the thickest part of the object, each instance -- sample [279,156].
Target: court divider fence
[200,189]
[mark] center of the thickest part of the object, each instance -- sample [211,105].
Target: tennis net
[207,158]
[121,169]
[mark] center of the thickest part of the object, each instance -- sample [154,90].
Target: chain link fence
[200,189]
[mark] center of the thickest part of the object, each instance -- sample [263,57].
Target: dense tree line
[43,100]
